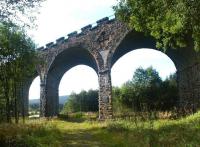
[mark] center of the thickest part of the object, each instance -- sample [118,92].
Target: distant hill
[34,101]
[62,100]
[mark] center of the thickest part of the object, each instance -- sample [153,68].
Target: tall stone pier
[105,95]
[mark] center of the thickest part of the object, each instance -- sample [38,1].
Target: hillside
[62,100]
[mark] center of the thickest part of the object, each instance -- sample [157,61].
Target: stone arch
[186,61]
[135,40]
[25,93]
[63,62]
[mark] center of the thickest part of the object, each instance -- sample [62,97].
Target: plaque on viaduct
[100,47]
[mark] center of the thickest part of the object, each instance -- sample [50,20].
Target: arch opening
[136,50]
[34,98]
[163,92]
[63,62]
[135,40]
[79,84]
[145,57]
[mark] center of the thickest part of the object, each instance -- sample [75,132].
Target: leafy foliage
[18,11]
[169,93]
[17,63]
[173,23]
[82,102]
[17,54]
[146,91]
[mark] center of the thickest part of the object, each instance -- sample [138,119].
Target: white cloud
[59,17]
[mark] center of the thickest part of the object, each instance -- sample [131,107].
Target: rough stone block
[73,34]
[103,21]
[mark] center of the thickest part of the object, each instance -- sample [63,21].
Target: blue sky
[58,18]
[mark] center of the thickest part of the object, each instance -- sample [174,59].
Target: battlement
[81,32]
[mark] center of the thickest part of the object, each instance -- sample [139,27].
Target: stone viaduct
[100,47]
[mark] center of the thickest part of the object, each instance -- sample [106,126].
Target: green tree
[143,89]
[169,93]
[2,104]
[18,11]
[83,102]
[92,102]
[116,101]
[17,62]
[146,91]
[173,23]
[127,94]
[17,54]
[146,83]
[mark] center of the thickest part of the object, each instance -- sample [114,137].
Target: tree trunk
[7,107]
[15,96]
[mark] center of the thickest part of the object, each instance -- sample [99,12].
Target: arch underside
[62,63]
[24,94]
[135,40]
[186,61]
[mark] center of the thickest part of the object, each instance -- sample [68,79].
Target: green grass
[184,132]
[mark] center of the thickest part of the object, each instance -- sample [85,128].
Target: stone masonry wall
[189,85]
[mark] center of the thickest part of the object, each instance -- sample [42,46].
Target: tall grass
[33,133]
[120,132]
[181,132]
